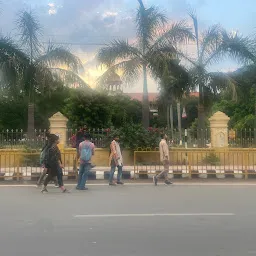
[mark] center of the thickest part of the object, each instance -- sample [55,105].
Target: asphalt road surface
[138,220]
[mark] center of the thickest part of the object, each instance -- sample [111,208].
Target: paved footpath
[195,219]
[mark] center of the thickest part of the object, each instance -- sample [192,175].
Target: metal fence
[10,139]
[191,163]
[199,163]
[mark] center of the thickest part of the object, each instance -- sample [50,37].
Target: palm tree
[174,84]
[41,67]
[212,46]
[153,43]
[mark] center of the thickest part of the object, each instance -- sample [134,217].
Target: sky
[83,25]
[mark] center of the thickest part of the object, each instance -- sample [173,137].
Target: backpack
[43,154]
[86,153]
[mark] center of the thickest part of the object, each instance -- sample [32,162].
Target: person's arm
[113,150]
[166,151]
[93,149]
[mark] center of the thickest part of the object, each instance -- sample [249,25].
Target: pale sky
[85,24]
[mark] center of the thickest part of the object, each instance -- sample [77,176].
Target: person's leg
[87,168]
[46,181]
[112,171]
[81,172]
[119,174]
[41,178]
[165,171]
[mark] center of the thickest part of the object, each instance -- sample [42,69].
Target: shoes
[167,182]
[155,180]
[65,191]
[112,184]
[57,186]
[85,188]
[44,190]
[120,183]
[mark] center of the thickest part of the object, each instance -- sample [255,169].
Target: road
[133,220]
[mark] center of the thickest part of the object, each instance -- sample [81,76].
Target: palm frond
[118,50]
[193,16]
[212,39]
[56,56]
[130,70]
[69,78]
[13,61]
[239,47]
[174,78]
[222,81]
[179,32]
[148,22]
[30,31]
[234,46]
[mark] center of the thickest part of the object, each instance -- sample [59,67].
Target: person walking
[115,160]
[86,151]
[165,159]
[42,158]
[53,163]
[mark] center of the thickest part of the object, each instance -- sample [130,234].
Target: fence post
[189,166]
[18,167]
[134,163]
[245,161]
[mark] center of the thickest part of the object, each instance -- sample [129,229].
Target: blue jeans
[83,174]
[112,171]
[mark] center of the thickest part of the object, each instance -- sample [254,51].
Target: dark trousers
[56,172]
[42,176]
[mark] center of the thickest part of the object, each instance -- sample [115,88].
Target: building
[153,97]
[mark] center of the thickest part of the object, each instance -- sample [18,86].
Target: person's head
[47,134]
[163,136]
[116,137]
[84,127]
[87,136]
[54,139]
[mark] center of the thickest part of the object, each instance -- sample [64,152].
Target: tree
[174,83]
[151,46]
[97,110]
[31,70]
[212,46]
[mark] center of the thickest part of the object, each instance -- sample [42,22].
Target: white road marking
[153,215]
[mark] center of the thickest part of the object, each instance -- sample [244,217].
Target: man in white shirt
[165,159]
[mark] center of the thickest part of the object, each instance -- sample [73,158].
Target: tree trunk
[179,120]
[201,119]
[145,102]
[171,118]
[31,120]
[168,115]
[201,126]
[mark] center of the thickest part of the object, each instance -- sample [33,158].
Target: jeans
[112,171]
[83,174]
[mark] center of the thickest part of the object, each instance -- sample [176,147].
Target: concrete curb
[102,173]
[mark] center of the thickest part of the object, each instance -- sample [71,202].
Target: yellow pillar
[219,130]
[58,126]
